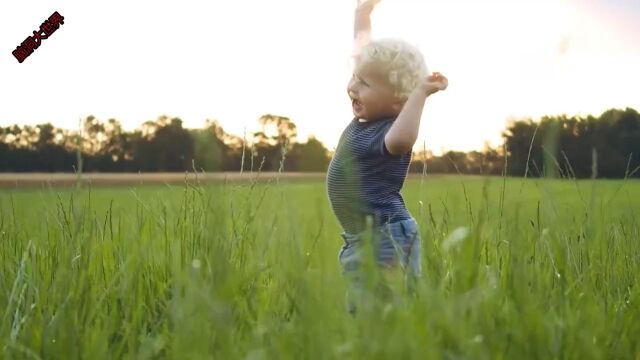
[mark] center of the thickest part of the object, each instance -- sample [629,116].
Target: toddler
[388,90]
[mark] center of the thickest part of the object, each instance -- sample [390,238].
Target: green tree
[311,156]
[210,149]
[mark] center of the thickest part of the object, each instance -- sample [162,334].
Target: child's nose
[353,84]
[351,89]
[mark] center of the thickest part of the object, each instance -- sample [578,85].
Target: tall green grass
[517,269]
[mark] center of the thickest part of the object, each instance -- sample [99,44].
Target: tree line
[607,146]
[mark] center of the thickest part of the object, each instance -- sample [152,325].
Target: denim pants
[394,245]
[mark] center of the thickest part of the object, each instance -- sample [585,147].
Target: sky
[234,61]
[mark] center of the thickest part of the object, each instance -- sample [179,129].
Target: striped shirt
[365,179]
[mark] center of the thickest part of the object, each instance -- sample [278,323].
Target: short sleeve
[378,146]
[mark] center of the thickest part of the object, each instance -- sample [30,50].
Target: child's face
[372,96]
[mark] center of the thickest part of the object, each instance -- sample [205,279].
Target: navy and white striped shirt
[365,179]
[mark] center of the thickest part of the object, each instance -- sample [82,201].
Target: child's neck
[365,120]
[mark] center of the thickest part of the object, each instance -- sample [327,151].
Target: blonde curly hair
[402,62]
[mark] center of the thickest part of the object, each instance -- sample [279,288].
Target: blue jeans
[394,245]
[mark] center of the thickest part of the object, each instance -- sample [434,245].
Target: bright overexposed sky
[234,60]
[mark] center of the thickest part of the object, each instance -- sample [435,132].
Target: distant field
[248,270]
[17,180]
[44,180]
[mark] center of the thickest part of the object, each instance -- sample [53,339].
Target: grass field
[549,270]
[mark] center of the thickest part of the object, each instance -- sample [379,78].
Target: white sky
[236,60]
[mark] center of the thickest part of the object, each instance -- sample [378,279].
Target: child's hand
[434,83]
[364,8]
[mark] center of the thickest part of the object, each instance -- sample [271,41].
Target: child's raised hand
[434,83]
[365,7]
[362,23]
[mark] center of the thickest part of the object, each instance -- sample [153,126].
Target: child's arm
[362,24]
[404,131]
